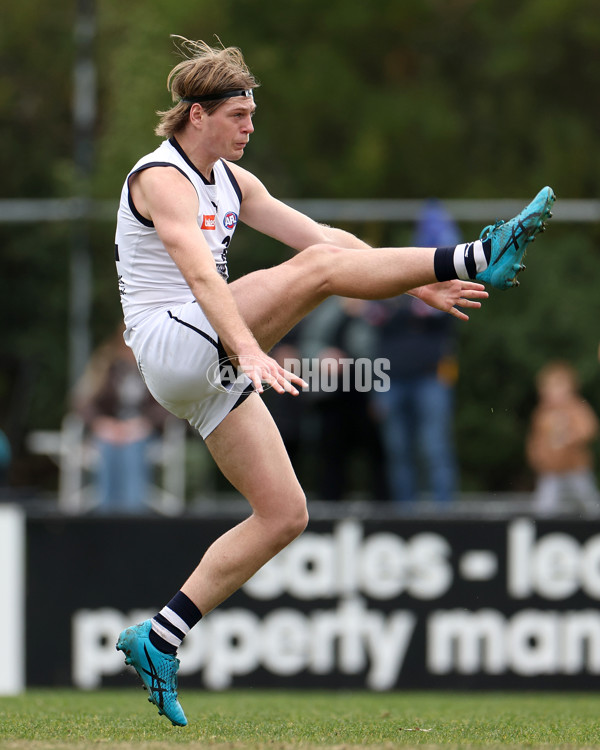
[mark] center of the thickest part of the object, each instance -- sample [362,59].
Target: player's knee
[321,255]
[292,520]
[319,261]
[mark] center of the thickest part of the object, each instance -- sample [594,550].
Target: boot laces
[486,231]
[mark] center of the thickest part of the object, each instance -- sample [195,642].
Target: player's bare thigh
[249,451]
[273,300]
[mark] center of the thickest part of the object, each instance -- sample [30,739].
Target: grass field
[287,720]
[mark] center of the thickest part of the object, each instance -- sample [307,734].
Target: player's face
[228,129]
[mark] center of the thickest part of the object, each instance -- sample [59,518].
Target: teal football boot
[157,670]
[509,241]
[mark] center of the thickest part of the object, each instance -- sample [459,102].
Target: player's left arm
[450,295]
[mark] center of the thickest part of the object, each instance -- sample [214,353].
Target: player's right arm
[168,199]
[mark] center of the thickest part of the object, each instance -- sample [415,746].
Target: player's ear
[197,114]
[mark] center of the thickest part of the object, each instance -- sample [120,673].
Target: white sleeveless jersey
[148,277]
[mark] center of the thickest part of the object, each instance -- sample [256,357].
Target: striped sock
[173,623]
[463,261]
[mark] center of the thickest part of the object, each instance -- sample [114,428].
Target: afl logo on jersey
[230,220]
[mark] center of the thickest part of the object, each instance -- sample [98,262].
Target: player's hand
[262,369]
[450,295]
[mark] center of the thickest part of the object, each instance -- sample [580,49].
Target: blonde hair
[205,70]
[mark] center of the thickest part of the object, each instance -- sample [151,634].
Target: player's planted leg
[157,670]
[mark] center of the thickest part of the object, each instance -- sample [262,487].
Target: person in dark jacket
[417,412]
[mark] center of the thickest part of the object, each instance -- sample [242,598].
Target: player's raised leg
[273,300]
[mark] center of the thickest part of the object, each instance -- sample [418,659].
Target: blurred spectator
[348,432]
[417,412]
[122,418]
[563,427]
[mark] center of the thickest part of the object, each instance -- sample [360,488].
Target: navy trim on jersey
[197,330]
[184,156]
[142,219]
[234,182]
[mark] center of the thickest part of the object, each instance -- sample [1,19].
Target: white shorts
[186,368]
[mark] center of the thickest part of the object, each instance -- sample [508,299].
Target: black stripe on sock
[162,620]
[185,608]
[470,264]
[487,249]
[443,264]
[161,644]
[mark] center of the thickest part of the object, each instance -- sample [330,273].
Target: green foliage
[391,99]
[551,316]
[358,100]
[36,55]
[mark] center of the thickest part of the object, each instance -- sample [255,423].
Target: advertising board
[382,604]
